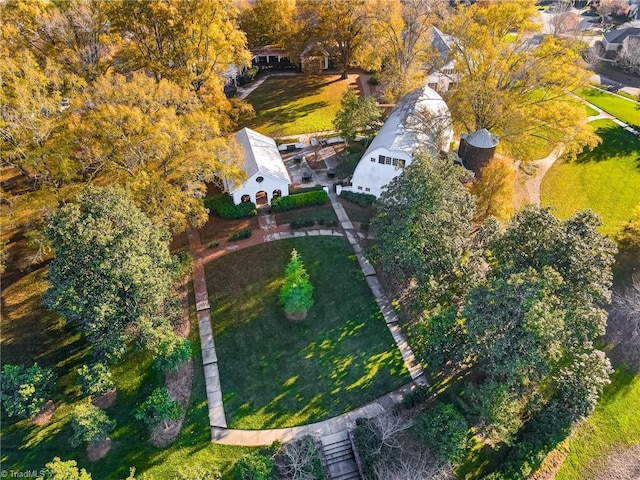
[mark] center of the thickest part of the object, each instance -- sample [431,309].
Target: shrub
[95,380]
[184,263]
[89,424]
[374,79]
[445,429]
[57,469]
[223,206]
[362,199]
[198,472]
[299,200]
[418,396]
[253,466]
[158,408]
[367,444]
[25,390]
[296,293]
[299,460]
[301,223]
[297,190]
[171,354]
[244,233]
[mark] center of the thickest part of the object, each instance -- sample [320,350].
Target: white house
[420,120]
[267,177]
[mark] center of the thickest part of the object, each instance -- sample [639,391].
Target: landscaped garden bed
[276,373]
[606,180]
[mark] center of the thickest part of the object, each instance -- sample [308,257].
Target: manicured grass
[614,424]
[591,112]
[277,373]
[30,333]
[297,104]
[623,109]
[606,180]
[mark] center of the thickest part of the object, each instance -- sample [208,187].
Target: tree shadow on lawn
[271,368]
[616,142]
[305,372]
[283,114]
[276,92]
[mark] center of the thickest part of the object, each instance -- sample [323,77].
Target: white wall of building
[371,176]
[252,186]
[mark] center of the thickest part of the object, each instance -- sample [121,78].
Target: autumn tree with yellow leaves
[514,84]
[126,93]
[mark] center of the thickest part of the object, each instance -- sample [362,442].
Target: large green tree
[532,324]
[356,114]
[512,86]
[423,224]
[112,273]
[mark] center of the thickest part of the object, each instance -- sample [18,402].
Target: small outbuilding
[267,176]
[477,149]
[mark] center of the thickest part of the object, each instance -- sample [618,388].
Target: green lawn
[591,112]
[614,424]
[277,373]
[297,104]
[606,180]
[625,110]
[30,333]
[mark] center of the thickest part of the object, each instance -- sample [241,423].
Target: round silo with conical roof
[477,149]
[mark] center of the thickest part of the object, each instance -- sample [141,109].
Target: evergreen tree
[296,293]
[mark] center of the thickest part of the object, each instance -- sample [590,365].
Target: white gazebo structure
[420,120]
[267,176]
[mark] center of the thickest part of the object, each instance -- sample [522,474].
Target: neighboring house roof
[261,155]
[442,42]
[394,134]
[314,47]
[618,36]
[481,139]
[268,50]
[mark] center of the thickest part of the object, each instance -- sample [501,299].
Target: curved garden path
[543,165]
[268,232]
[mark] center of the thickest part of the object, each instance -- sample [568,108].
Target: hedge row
[223,206]
[299,200]
[241,234]
[362,199]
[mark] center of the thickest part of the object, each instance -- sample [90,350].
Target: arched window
[245,198]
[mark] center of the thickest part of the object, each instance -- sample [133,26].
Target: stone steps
[338,457]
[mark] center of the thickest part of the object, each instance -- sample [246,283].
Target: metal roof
[261,155]
[481,139]
[398,132]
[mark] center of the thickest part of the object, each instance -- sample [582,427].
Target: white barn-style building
[420,120]
[267,176]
